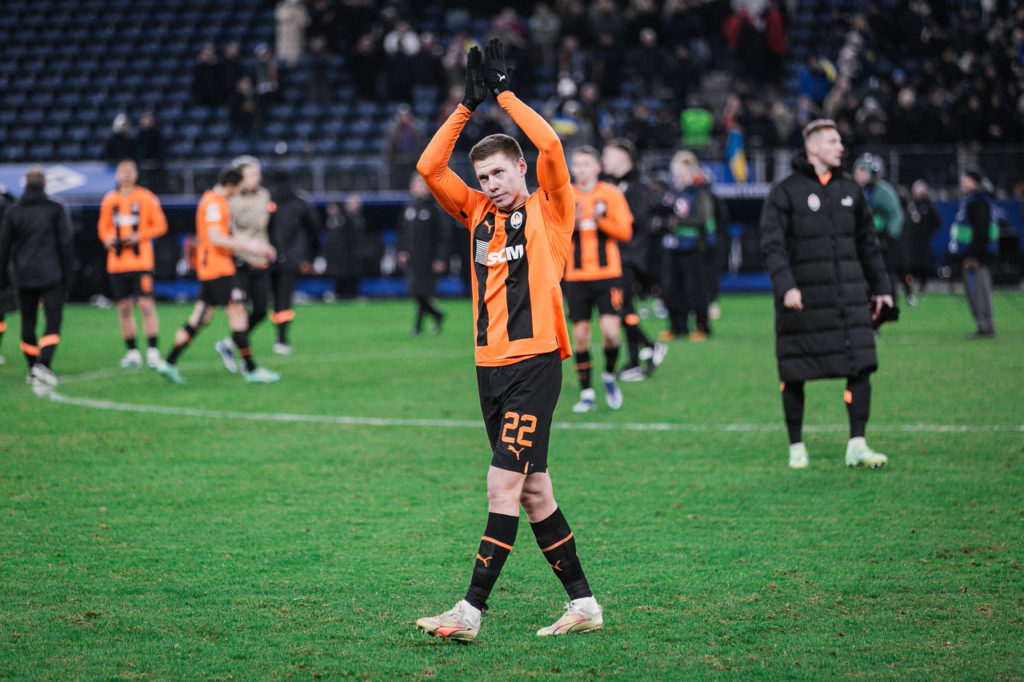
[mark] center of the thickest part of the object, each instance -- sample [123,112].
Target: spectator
[638,129]
[365,66]
[291,20]
[319,71]
[325,21]
[775,41]
[401,47]
[264,76]
[648,64]
[243,107]
[545,29]
[608,65]
[405,142]
[758,129]
[813,81]
[206,83]
[231,69]
[119,144]
[149,142]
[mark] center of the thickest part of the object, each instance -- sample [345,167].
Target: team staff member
[422,251]
[819,245]
[691,233]
[216,247]
[8,301]
[519,243]
[593,273]
[295,235]
[617,159]
[251,207]
[886,208]
[974,239]
[130,219]
[36,236]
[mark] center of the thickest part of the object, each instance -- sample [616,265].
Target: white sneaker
[660,351]
[2,361]
[133,358]
[226,350]
[587,401]
[858,452]
[797,456]
[153,358]
[612,394]
[714,312]
[633,374]
[261,375]
[461,623]
[282,349]
[44,375]
[581,615]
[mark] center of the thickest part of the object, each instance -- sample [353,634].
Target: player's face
[251,177]
[682,174]
[585,169]
[827,146]
[502,180]
[127,174]
[616,161]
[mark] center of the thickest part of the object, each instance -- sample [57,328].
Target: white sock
[469,609]
[858,442]
[587,603]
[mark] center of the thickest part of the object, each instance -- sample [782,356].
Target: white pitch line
[476,424]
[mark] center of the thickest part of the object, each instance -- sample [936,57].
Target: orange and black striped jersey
[213,213]
[518,256]
[122,215]
[603,219]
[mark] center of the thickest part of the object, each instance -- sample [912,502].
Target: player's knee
[124,307]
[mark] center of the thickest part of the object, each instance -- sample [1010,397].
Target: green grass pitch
[222,531]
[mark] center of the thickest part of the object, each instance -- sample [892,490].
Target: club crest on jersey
[846,201]
[813,202]
[506,255]
[515,220]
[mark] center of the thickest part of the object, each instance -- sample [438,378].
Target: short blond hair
[816,125]
[498,143]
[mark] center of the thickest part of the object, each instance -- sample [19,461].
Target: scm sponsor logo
[509,253]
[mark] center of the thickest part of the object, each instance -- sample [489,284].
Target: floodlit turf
[163,545]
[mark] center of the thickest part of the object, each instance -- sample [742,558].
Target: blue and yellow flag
[736,157]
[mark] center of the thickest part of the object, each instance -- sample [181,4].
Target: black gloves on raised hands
[476,91]
[495,71]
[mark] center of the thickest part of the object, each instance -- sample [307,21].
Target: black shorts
[605,294]
[131,284]
[518,402]
[221,291]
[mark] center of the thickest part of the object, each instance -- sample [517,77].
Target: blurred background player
[691,232]
[423,251]
[35,237]
[593,273]
[130,219]
[821,250]
[974,239]
[8,299]
[216,248]
[617,160]
[295,236]
[251,207]
[519,243]
[887,212]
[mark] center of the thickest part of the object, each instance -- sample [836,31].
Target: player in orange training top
[130,219]
[215,265]
[519,242]
[593,273]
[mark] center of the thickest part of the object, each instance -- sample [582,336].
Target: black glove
[476,91]
[495,71]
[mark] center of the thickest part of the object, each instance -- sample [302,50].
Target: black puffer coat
[425,234]
[36,237]
[821,240]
